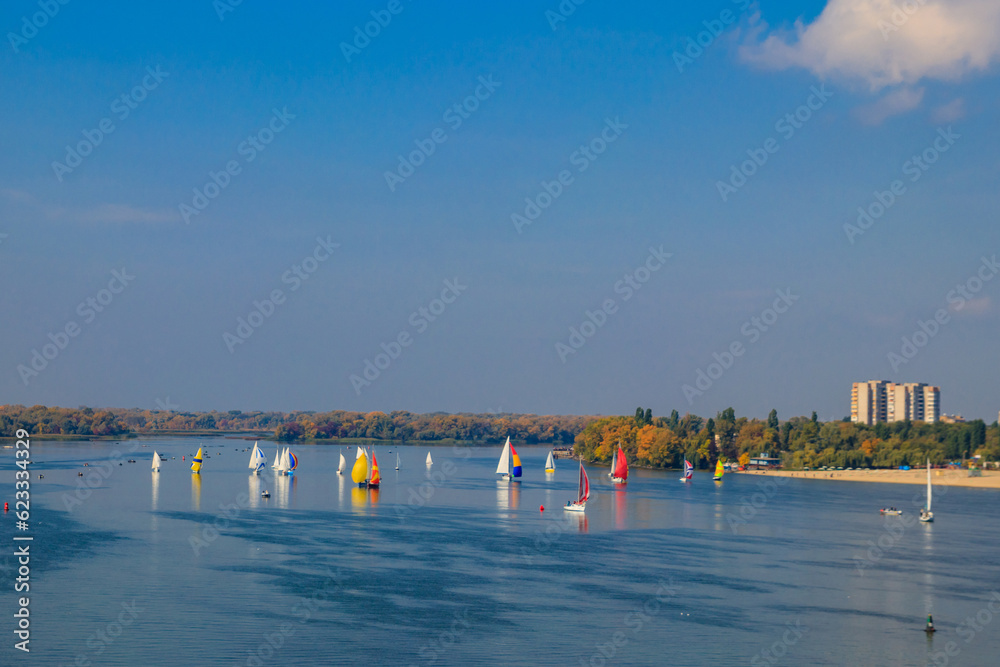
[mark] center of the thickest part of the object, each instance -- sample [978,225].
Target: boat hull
[717,479]
[619,480]
[549,471]
[573,507]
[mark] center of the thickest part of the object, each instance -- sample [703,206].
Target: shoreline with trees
[648,441]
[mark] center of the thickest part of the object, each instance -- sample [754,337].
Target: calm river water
[446,565]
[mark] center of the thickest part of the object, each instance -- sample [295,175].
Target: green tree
[772,419]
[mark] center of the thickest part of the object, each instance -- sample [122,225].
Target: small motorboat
[892,511]
[265,494]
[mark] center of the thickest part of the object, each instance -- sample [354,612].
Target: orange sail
[376,478]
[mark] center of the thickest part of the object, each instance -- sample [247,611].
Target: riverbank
[939,477]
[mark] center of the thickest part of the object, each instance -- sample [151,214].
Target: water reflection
[254,490]
[156,491]
[621,507]
[196,492]
[284,485]
[579,518]
[508,496]
[155,501]
[359,498]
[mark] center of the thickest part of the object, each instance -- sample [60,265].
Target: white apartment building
[881,400]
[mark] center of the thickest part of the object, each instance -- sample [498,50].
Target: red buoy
[541,508]
[6,507]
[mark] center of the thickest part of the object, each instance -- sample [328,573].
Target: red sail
[584,490]
[621,465]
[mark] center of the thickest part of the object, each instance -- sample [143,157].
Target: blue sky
[889,85]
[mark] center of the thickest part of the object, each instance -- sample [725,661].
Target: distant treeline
[665,442]
[295,426]
[656,442]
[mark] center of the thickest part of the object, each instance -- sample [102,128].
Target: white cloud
[892,104]
[101,213]
[974,307]
[949,113]
[122,213]
[18,196]
[878,43]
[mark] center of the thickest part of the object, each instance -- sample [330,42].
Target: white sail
[283,463]
[343,463]
[928,485]
[257,459]
[429,462]
[614,462]
[358,455]
[277,458]
[503,466]
[550,463]
[156,462]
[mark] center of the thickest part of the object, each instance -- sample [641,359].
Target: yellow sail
[719,469]
[196,462]
[360,471]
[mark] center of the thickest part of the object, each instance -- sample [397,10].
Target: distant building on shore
[952,419]
[883,401]
[763,462]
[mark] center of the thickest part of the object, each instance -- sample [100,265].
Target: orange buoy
[541,508]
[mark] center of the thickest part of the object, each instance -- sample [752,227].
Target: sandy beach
[939,477]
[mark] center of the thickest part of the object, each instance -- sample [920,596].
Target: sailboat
[156,462]
[360,471]
[619,474]
[196,462]
[376,478]
[358,454]
[582,493]
[293,462]
[343,463]
[509,465]
[719,470]
[429,462]
[550,463]
[277,458]
[688,471]
[614,462]
[257,460]
[926,515]
[397,460]
[283,462]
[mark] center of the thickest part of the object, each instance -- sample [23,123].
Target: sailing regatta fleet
[365,471]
